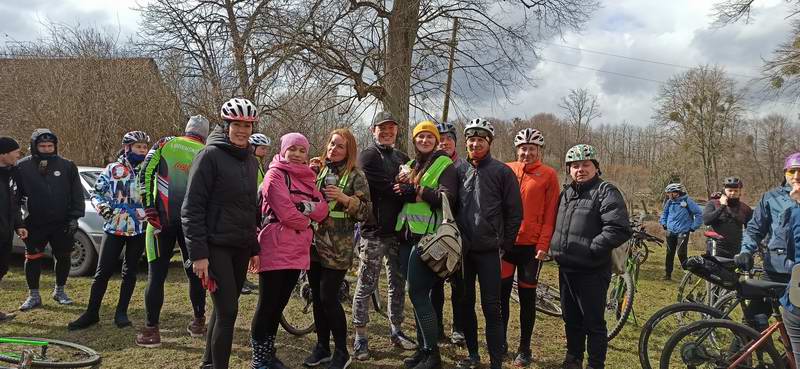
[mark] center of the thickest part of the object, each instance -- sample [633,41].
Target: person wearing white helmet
[117,199]
[260,144]
[680,217]
[219,218]
[489,216]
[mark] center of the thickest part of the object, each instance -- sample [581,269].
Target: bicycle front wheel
[657,330]
[548,299]
[717,343]
[48,353]
[693,289]
[298,315]
[619,303]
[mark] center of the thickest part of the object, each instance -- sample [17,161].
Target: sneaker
[121,320]
[414,360]
[197,327]
[149,337]
[470,362]
[523,360]
[31,302]
[339,360]
[400,340]
[457,338]
[4,317]
[249,288]
[84,321]
[61,298]
[433,360]
[361,349]
[572,362]
[319,355]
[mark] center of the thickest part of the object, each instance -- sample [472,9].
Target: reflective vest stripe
[332,204]
[418,215]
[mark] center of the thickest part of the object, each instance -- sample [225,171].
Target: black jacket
[10,216]
[221,205]
[55,197]
[592,220]
[381,166]
[728,221]
[489,210]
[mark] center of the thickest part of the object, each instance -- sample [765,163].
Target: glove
[151,214]
[71,228]
[664,226]
[744,260]
[105,212]
[305,207]
[407,189]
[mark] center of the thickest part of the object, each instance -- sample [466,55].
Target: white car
[89,236]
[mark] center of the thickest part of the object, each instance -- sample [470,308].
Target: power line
[603,71]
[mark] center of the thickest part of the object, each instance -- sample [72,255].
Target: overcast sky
[675,32]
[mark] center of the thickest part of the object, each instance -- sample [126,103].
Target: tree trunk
[403,25]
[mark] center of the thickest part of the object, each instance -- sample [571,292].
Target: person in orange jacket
[539,189]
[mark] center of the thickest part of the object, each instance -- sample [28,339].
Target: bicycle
[548,298]
[30,352]
[695,289]
[735,345]
[640,241]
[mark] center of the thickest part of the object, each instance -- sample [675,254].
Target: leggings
[109,256]
[61,244]
[5,255]
[228,267]
[485,267]
[329,316]
[456,294]
[421,280]
[157,275]
[526,289]
[274,289]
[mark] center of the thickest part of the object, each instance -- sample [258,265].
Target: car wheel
[83,256]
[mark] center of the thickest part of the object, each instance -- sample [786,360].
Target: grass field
[181,351]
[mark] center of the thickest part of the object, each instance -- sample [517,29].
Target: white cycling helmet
[258,139]
[239,109]
[675,187]
[479,124]
[133,137]
[529,136]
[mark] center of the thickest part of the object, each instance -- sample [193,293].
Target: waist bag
[441,250]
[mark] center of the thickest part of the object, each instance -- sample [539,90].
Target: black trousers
[109,257]
[329,316]
[157,276]
[61,244]
[456,295]
[583,303]
[228,267]
[274,290]
[485,267]
[676,242]
[5,255]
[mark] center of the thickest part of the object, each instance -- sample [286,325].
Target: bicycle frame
[763,339]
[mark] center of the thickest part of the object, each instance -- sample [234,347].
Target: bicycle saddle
[757,289]
[714,235]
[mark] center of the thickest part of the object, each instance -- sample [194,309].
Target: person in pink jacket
[291,204]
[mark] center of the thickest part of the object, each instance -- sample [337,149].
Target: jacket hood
[37,135]
[220,139]
[300,171]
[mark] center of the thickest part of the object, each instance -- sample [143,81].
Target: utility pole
[449,84]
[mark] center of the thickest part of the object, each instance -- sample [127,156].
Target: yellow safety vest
[419,216]
[332,204]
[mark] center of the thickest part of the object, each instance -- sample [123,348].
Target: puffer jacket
[221,207]
[10,216]
[117,188]
[286,240]
[592,220]
[489,209]
[768,220]
[681,215]
[539,190]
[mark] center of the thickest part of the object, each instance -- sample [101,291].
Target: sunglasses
[791,171]
[477,132]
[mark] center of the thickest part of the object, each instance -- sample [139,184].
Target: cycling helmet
[239,109]
[258,139]
[732,182]
[581,152]
[134,137]
[479,124]
[529,136]
[675,187]
[446,128]
[792,161]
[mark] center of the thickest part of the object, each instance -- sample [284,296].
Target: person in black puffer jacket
[55,203]
[10,216]
[592,220]
[219,217]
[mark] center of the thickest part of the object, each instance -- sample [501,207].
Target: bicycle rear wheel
[298,315]
[548,299]
[717,343]
[619,303]
[48,353]
[693,289]
[657,330]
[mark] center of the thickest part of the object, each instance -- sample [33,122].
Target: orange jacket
[539,189]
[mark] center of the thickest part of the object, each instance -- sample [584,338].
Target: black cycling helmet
[732,182]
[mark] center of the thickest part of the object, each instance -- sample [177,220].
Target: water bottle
[331,179]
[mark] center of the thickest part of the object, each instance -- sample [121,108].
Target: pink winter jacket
[286,244]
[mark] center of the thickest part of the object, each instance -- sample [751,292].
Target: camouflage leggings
[371,253]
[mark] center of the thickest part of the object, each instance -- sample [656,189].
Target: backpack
[441,250]
[619,255]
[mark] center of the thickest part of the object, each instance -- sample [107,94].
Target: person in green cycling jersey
[261,145]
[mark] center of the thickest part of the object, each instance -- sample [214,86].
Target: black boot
[121,319]
[340,360]
[88,319]
[414,360]
[319,355]
[432,360]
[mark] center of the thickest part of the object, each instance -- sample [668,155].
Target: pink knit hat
[293,139]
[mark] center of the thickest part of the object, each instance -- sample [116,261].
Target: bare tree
[580,109]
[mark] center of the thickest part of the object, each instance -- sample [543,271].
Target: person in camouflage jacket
[347,192]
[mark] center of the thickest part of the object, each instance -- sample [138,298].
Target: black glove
[71,228]
[106,212]
[744,260]
[407,189]
[664,226]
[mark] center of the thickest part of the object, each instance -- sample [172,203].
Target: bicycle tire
[677,310]
[92,357]
[739,330]
[548,300]
[692,289]
[302,295]
[724,302]
[641,252]
[619,302]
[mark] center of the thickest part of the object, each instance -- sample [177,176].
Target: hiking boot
[4,317]
[361,349]
[197,327]
[319,355]
[457,338]
[339,360]
[401,341]
[572,362]
[470,362]
[84,321]
[32,302]
[414,360]
[149,337]
[121,320]
[60,296]
[432,360]
[523,359]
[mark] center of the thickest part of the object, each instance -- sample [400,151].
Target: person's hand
[744,260]
[306,207]
[403,189]
[200,268]
[403,177]
[71,228]
[22,233]
[723,200]
[151,214]
[541,255]
[335,193]
[254,264]
[105,212]
[795,193]
[664,226]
